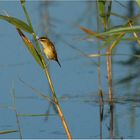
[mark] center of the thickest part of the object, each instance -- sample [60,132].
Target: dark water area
[76,82]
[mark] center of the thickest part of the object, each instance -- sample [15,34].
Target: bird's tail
[58,62]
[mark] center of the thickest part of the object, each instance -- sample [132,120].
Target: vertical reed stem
[101,102]
[58,106]
[109,73]
[47,74]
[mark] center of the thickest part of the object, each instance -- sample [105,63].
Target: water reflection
[101,107]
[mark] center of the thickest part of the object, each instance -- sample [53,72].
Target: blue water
[76,82]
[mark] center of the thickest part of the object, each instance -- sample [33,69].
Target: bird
[49,49]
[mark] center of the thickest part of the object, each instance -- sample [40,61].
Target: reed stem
[47,75]
[30,24]
[57,105]
[109,73]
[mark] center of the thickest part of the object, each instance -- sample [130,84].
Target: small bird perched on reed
[49,49]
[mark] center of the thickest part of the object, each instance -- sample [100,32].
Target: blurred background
[76,82]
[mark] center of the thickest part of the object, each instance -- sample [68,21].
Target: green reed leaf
[138,2]
[122,29]
[39,59]
[8,131]
[105,11]
[17,23]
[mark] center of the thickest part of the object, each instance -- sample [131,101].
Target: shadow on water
[110,113]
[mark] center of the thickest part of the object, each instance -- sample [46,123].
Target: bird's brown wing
[55,53]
